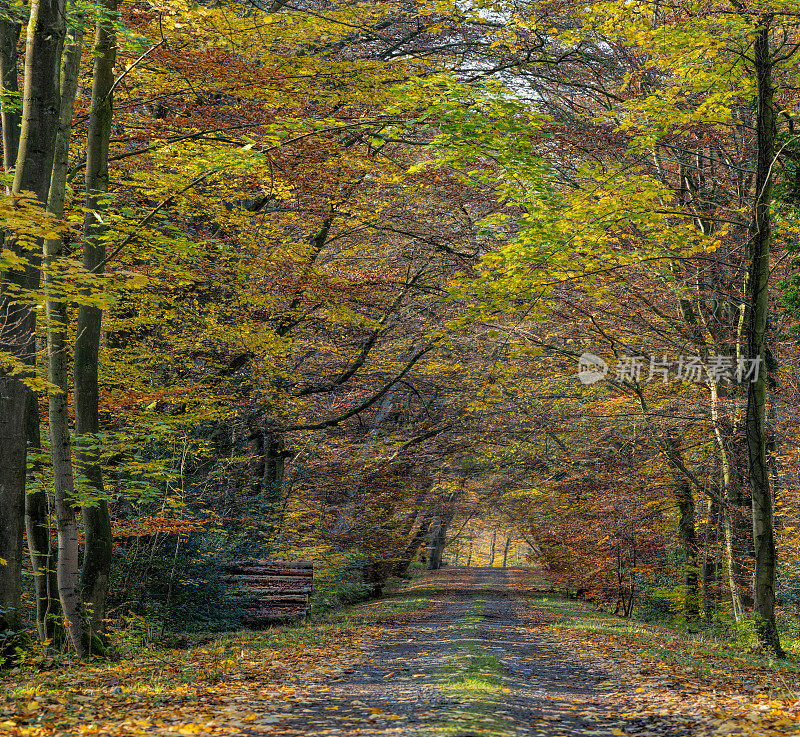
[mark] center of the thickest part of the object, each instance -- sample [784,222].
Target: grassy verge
[704,649]
[376,611]
[235,680]
[695,676]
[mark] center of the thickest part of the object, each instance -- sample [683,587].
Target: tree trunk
[731,490]
[9,78]
[258,441]
[42,552]
[12,412]
[710,565]
[758,293]
[274,466]
[505,550]
[57,366]
[96,519]
[12,499]
[688,538]
[734,552]
[68,559]
[493,547]
[40,98]
[411,549]
[34,162]
[438,542]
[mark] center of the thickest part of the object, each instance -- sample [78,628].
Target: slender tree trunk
[12,500]
[96,519]
[34,162]
[40,98]
[710,565]
[43,553]
[505,550]
[258,441]
[9,78]
[438,542]
[68,557]
[493,548]
[57,363]
[274,466]
[12,414]
[37,523]
[688,537]
[732,522]
[731,526]
[433,533]
[412,548]
[758,292]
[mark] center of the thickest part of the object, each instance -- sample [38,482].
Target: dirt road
[481,661]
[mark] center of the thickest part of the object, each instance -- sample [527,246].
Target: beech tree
[32,164]
[339,262]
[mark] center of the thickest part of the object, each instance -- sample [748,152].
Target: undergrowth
[718,646]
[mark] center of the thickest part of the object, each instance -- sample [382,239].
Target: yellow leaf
[3,562]
[190,729]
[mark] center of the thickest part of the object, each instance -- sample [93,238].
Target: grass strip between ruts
[473,677]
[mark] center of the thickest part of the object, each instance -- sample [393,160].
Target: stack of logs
[270,589]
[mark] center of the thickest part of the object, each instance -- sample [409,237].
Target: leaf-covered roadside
[661,672]
[246,680]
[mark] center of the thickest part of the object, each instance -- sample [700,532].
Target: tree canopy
[381,284]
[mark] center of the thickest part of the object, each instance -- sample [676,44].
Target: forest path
[457,653]
[481,661]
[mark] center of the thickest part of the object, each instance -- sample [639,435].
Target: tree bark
[505,550]
[758,293]
[96,518]
[34,160]
[273,471]
[42,552]
[12,416]
[438,542]
[732,521]
[733,552]
[710,562]
[40,98]
[57,365]
[414,532]
[9,78]
[12,499]
[688,537]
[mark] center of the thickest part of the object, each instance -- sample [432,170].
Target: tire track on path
[480,662]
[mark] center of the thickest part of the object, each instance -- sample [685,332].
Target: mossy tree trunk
[97,552]
[758,293]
